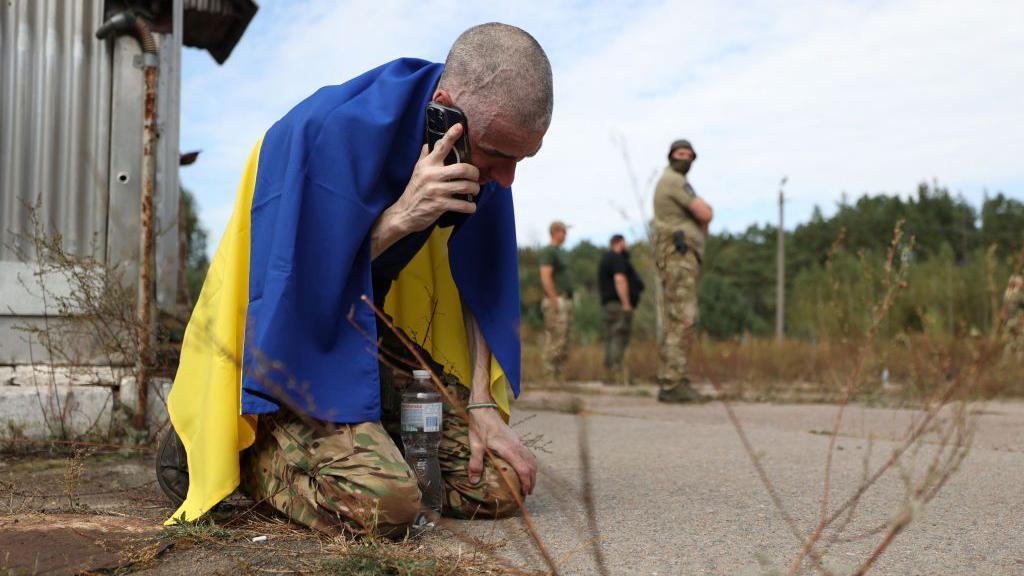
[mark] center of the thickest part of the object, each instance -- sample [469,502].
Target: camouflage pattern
[1013,316]
[618,324]
[343,478]
[678,274]
[557,326]
[491,496]
[353,477]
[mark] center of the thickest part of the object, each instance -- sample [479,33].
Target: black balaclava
[681,165]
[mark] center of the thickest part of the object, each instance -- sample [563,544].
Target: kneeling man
[288,384]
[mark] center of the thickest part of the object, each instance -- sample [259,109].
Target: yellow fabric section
[206,399]
[425,303]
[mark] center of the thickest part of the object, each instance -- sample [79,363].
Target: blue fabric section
[326,172]
[483,256]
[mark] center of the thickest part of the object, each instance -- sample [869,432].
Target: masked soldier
[681,221]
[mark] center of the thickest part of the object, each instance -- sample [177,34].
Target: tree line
[957,258]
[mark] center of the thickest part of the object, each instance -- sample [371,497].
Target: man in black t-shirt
[620,288]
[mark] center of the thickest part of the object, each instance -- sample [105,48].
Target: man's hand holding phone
[433,187]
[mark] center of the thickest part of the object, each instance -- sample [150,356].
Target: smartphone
[439,119]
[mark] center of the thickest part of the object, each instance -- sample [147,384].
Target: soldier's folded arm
[701,210]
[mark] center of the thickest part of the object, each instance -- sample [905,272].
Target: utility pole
[780,271]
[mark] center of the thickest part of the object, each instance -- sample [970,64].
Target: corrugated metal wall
[55,82]
[70,141]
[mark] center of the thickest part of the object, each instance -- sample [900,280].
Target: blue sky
[840,97]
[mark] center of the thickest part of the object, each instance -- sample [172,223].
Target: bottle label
[421,417]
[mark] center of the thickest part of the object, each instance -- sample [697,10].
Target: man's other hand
[432,187]
[488,430]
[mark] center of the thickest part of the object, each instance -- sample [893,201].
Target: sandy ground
[674,493]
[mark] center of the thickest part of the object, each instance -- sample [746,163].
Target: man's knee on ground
[494,496]
[385,505]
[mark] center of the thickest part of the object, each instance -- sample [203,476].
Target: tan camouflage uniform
[557,323]
[678,249]
[352,477]
[678,274]
[1013,316]
[557,327]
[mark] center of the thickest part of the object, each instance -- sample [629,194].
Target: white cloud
[839,96]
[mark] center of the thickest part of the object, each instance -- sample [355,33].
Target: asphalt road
[673,490]
[675,493]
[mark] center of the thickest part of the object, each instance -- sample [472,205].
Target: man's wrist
[480,394]
[387,230]
[392,222]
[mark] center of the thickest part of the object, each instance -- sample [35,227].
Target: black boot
[681,393]
[172,467]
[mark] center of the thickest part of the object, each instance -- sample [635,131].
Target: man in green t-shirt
[680,230]
[557,303]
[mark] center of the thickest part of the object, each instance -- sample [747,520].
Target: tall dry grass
[764,369]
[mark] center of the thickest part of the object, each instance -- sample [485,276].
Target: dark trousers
[618,324]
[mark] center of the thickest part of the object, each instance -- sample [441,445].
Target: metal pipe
[780,269]
[128,23]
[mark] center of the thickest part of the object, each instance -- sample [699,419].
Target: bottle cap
[420,375]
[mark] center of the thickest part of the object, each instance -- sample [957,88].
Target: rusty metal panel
[54,119]
[168,192]
[70,139]
[125,173]
[125,179]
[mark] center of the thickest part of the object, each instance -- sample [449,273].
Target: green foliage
[203,529]
[197,263]
[959,263]
[725,309]
[739,277]
[376,561]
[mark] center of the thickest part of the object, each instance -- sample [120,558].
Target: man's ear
[442,97]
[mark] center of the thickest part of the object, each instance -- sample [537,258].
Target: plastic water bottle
[421,435]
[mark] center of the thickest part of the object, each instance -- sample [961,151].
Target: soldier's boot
[172,467]
[680,393]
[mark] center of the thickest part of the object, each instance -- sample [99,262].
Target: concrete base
[156,411]
[42,402]
[55,411]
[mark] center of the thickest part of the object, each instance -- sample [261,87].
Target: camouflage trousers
[678,274]
[352,477]
[618,325]
[1015,338]
[557,326]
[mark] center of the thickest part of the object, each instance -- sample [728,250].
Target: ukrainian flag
[273,325]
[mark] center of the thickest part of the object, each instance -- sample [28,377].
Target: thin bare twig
[465,414]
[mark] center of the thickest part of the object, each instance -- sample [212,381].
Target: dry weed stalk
[891,287]
[90,317]
[460,410]
[393,360]
[73,476]
[278,380]
[953,437]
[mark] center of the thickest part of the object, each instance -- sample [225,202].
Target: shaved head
[496,70]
